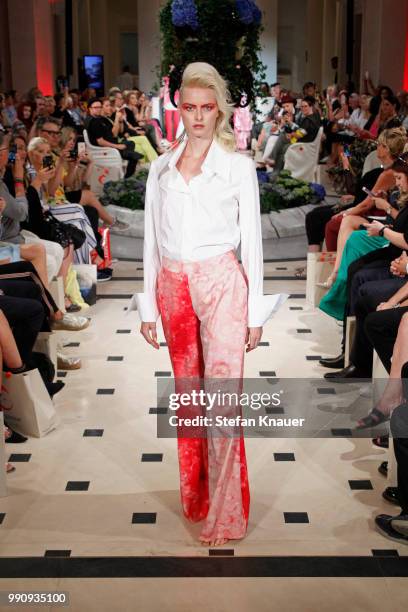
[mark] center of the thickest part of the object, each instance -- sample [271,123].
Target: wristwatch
[382,230]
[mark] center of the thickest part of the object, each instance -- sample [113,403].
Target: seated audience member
[9,112]
[374,238]
[77,171]
[309,123]
[52,196]
[396,527]
[25,111]
[391,144]
[52,106]
[131,129]
[263,108]
[103,133]
[381,294]
[386,119]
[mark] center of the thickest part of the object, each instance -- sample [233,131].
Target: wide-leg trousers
[203,305]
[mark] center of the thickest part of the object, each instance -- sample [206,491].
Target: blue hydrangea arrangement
[184,13]
[248,12]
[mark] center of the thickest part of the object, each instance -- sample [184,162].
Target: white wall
[149,42]
[292,42]
[269,38]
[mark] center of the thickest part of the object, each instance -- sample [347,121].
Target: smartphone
[368,192]
[81,148]
[48,162]
[374,218]
[12,154]
[73,154]
[346,151]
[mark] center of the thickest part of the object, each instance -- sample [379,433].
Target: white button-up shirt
[212,214]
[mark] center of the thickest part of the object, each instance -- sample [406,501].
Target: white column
[149,42]
[269,37]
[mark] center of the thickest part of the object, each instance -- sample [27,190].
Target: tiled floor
[103,485]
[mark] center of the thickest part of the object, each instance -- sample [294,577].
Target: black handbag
[63,233]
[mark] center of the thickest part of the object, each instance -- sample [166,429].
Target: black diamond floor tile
[269,373]
[385,552]
[61,373]
[163,343]
[93,433]
[342,432]
[57,553]
[115,358]
[284,456]
[152,457]
[158,410]
[296,517]
[105,391]
[304,331]
[313,357]
[297,296]
[281,268]
[162,373]
[263,344]
[77,485]
[144,518]
[360,485]
[295,307]
[219,552]
[274,410]
[19,457]
[123,331]
[326,391]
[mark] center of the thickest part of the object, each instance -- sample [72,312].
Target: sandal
[373,419]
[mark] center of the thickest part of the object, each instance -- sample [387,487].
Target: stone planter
[283,224]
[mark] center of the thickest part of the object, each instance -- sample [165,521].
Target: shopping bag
[27,405]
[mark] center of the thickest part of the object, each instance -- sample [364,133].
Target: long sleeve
[16,208]
[260,307]
[146,302]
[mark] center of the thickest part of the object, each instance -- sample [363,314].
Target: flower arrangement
[287,192]
[224,33]
[248,11]
[184,13]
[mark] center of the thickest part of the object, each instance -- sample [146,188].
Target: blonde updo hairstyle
[201,74]
[394,139]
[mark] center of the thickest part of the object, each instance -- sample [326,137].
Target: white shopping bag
[28,407]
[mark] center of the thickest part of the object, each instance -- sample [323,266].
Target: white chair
[107,165]
[302,158]
[371,162]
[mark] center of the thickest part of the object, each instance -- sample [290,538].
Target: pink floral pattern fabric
[203,305]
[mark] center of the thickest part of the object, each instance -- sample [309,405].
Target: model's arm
[260,307]
[146,302]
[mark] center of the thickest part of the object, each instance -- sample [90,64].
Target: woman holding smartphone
[202,200]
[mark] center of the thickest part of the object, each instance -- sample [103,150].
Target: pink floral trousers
[203,306]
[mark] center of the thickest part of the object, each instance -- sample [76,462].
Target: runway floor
[99,496]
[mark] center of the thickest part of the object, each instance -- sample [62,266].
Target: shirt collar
[217,160]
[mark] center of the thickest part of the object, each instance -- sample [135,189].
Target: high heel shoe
[373,419]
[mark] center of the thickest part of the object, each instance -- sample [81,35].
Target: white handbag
[28,406]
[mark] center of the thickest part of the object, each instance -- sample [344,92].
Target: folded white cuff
[146,305]
[262,307]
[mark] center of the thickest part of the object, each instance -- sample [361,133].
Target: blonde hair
[394,139]
[36,142]
[66,134]
[201,74]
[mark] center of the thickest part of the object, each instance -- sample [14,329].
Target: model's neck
[197,147]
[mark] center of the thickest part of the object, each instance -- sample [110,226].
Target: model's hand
[253,337]
[149,333]
[386,305]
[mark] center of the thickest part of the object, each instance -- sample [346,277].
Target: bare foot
[211,543]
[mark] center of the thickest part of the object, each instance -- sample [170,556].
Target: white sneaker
[70,323]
